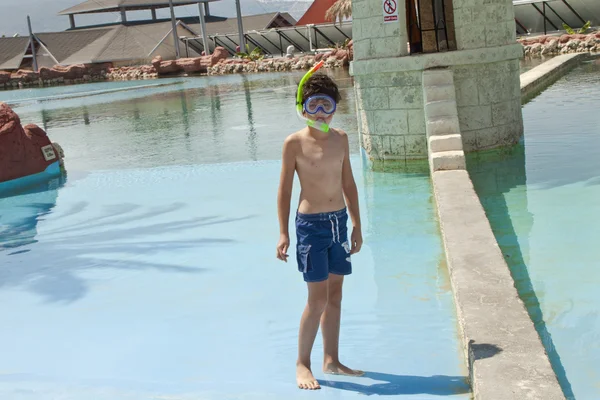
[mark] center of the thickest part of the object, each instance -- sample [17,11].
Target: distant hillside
[13,18]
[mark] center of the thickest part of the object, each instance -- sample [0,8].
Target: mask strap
[314,124]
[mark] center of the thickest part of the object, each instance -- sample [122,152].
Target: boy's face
[320,108]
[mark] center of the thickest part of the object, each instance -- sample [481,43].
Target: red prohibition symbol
[389,6]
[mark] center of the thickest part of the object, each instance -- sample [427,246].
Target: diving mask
[301,107]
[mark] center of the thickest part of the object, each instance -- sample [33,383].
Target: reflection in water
[86,116]
[21,214]
[251,140]
[202,124]
[185,113]
[45,119]
[542,202]
[402,238]
[495,174]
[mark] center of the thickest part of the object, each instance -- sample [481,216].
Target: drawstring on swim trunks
[336,229]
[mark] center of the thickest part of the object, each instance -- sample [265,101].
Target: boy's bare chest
[314,156]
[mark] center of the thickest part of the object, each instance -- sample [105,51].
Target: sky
[44,18]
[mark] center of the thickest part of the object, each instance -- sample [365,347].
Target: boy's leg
[309,325]
[330,326]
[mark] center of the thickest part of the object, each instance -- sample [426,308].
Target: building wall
[488,97]
[371,37]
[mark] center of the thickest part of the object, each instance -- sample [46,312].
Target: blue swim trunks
[323,246]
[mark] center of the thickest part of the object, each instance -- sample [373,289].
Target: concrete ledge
[506,357]
[425,61]
[539,78]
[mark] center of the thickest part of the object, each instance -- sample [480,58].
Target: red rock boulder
[190,65]
[75,71]
[25,150]
[4,77]
[219,54]
[564,38]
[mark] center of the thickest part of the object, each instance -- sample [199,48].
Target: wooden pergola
[122,6]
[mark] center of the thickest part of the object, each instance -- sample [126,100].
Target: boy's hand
[282,247]
[356,241]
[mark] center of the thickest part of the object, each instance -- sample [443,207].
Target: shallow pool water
[150,271]
[543,201]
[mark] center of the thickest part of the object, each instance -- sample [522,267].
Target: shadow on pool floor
[439,385]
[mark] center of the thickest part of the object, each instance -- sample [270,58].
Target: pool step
[442,143]
[447,160]
[435,77]
[440,92]
[440,108]
[442,125]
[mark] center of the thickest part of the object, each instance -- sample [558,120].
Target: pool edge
[506,358]
[536,80]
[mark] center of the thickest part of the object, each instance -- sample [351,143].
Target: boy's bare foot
[340,369]
[305,378]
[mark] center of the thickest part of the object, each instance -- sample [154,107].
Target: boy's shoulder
[293,139]
[339,132]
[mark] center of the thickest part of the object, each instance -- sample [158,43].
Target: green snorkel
[314,124]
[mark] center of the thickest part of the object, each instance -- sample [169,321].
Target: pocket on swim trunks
[303,256]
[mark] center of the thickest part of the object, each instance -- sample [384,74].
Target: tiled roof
[12,51]
[76,47]
[250,23]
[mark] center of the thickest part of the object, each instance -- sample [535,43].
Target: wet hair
[320,84]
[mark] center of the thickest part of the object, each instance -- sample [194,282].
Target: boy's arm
[284,195]
[351,194]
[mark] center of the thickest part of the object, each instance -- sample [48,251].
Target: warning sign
[390,10]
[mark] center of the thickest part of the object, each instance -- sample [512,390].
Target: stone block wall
[391,116]
[488,97]
[373,37]
[484,23]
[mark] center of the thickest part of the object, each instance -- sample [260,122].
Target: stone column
[488,92]
[383,111]
[481,52]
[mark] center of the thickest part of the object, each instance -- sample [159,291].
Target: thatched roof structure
[339,10]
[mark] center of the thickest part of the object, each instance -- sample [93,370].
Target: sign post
[390,10]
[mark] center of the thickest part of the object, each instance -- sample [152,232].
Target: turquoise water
[150,272]
[543,201]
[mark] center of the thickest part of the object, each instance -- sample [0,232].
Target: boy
[321,160]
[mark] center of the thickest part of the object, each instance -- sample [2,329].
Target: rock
[166,67]
[550,48]
[24,150]
[218,55]
[4,77]
[564,38]
[27,76]
[536,48]
[72,72]
[191,65]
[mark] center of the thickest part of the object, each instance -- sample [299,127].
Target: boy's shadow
[439,385]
